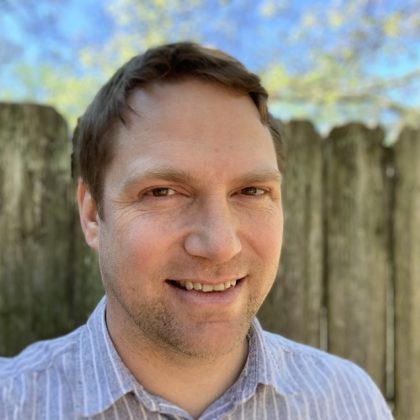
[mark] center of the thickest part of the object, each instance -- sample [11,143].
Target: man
[179,192]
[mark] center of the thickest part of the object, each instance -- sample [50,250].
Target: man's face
[191,201]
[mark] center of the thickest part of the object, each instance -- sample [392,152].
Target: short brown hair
[93,139]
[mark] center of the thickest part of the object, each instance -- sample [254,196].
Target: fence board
[407,275]
[294,304]
[357,236]
[49,280]
[34,225]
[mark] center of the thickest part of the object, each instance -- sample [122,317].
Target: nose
[213,233]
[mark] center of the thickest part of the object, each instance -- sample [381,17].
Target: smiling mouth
[205,287]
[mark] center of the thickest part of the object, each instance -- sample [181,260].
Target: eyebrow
[265,175]
[164,173]
[182,176]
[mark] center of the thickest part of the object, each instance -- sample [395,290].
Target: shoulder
[40,368]
[298,355]
[331,379]
[38,356]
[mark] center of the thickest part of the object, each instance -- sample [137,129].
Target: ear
[88,215]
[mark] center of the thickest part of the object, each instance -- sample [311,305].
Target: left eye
[253,191]
[160,192]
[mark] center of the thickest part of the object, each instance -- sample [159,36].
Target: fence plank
[34,225]
[357,250]
[407,274]
[49,280]
[294,304]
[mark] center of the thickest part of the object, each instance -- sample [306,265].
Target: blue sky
[52,32]
[77,22]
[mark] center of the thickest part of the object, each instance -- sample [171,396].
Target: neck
[191,383]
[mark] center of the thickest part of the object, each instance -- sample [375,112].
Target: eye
[253,191]
[160,192]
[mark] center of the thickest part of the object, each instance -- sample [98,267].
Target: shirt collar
[264,367]
[103,377]
[270,361]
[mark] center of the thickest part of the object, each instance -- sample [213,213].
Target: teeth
[220,287]
[197,286]
[207,288]
[189,285]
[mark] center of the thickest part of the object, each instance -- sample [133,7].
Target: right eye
[160,192]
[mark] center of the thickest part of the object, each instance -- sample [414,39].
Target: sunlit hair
[93,138]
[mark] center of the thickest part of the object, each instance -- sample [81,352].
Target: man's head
[94,138]
[191,222]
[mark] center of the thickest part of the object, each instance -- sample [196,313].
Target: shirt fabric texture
[81,376]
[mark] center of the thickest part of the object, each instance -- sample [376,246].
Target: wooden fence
[349,280]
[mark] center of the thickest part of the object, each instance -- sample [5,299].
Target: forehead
[178,124]
[195,98]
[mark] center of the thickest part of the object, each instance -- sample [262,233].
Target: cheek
[269,243]
[129,262]
[266,235]
[143,243]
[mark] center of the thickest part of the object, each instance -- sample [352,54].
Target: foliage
[328,61]
[358,60]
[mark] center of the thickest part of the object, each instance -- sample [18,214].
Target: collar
[266,364]
[265,367]
[275,355]
[102,376]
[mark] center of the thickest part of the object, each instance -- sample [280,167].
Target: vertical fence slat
[357,236]
[294,304]
[407,274]
[49,281]
[34,225]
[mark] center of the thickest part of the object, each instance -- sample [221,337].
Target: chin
[211,345]
[216,339]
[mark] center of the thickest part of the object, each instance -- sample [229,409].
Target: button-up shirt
[81,376]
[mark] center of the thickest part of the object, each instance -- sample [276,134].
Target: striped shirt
[81,376]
